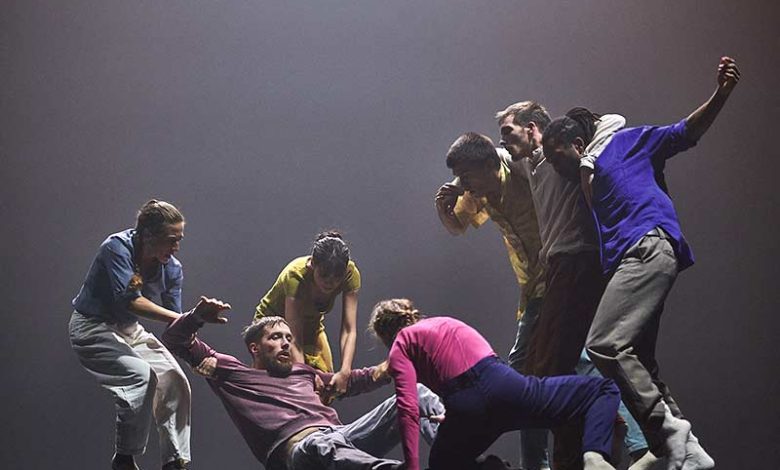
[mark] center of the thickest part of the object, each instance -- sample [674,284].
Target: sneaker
[696,458]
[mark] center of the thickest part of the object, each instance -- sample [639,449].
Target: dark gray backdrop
[268,121]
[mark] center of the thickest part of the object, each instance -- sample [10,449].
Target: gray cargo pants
[361,444]
[622,338]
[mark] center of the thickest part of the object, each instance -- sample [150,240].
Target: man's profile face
[515,138]
[480,179]
[565,158]
[274,350]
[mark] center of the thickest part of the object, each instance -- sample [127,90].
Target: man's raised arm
[703,117]
[180,337]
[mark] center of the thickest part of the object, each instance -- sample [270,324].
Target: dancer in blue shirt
[642,249]
[135,274]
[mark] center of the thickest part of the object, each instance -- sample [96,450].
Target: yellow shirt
[515,216]
[296,280]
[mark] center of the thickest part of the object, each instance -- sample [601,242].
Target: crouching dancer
[483,396]
[275,405]
[135,274]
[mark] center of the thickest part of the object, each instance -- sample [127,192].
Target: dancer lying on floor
[275,405]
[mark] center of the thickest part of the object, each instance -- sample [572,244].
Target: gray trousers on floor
[361,444]
[622,338]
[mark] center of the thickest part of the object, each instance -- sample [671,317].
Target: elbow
[168,340]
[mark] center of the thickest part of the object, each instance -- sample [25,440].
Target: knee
[173,385]
[137,387]
[142,376]
[610,389]
[599,348]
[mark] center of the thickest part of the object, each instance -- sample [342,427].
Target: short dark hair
[563,130]
[524,112]
[472,148]
[254,331]
[330,253]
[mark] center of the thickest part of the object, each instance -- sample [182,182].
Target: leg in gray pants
[622,338]
[361,444]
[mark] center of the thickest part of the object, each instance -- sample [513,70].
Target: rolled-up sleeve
[171,297]
[118,266]
[674,139]
[181,339]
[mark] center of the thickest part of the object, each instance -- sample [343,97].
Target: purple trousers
[491,398]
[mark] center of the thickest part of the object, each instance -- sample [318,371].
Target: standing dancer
[305,291]
[136,275]
[484,397]
[569,253]
[488,185]
[642,249]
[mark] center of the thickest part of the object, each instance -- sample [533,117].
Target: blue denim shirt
[105,292]
[630,196]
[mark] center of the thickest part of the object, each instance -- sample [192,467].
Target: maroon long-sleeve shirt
[266,410]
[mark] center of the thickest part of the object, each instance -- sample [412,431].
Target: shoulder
[505,161]
[352,268]
[441,323]
[423,327]
[651,135]
[228,366]
[352,278]
[610,122]
[118,244]
[649,130]
[295,271]
[226,361]
[173,268]
[503,154]
[627,137]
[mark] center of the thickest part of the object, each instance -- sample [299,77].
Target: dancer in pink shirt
[484,397]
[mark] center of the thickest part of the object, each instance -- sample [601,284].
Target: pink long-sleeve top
[432,351]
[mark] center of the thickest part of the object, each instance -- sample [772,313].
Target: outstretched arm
[703,117]
[180,336]
[401,369]
[348,339]
[293,309]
